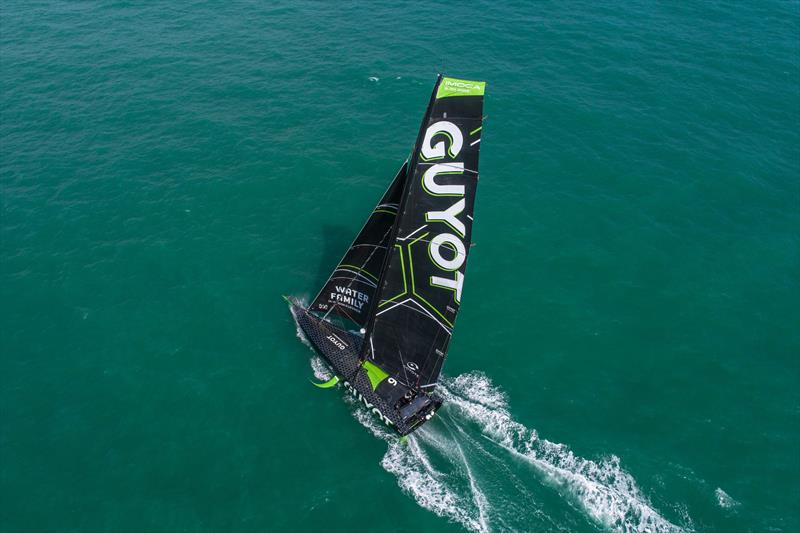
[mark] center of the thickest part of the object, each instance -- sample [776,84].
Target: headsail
[349,291]
[420,293]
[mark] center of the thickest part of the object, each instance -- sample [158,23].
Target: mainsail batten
[401,279]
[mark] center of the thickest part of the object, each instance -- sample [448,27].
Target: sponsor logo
[446,250]
[339,343]
[349,298]
[460,84]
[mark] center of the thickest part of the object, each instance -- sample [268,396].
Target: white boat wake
[476,466]
[482,469]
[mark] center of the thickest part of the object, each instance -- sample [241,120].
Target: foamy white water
[724,499]
[453,471]
[465,466]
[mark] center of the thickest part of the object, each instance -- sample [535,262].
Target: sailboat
[383,320]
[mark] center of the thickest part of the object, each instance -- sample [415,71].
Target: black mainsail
[400,282]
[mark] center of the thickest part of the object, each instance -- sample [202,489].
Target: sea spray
[606,494]
[475,432]
[724,499]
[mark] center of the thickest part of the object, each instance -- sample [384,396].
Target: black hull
[341,350]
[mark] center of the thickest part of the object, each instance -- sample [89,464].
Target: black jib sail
[349,291]
[400,283]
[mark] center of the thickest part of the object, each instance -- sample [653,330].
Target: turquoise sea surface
[627,357]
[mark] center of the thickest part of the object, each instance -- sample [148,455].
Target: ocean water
[627,357]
